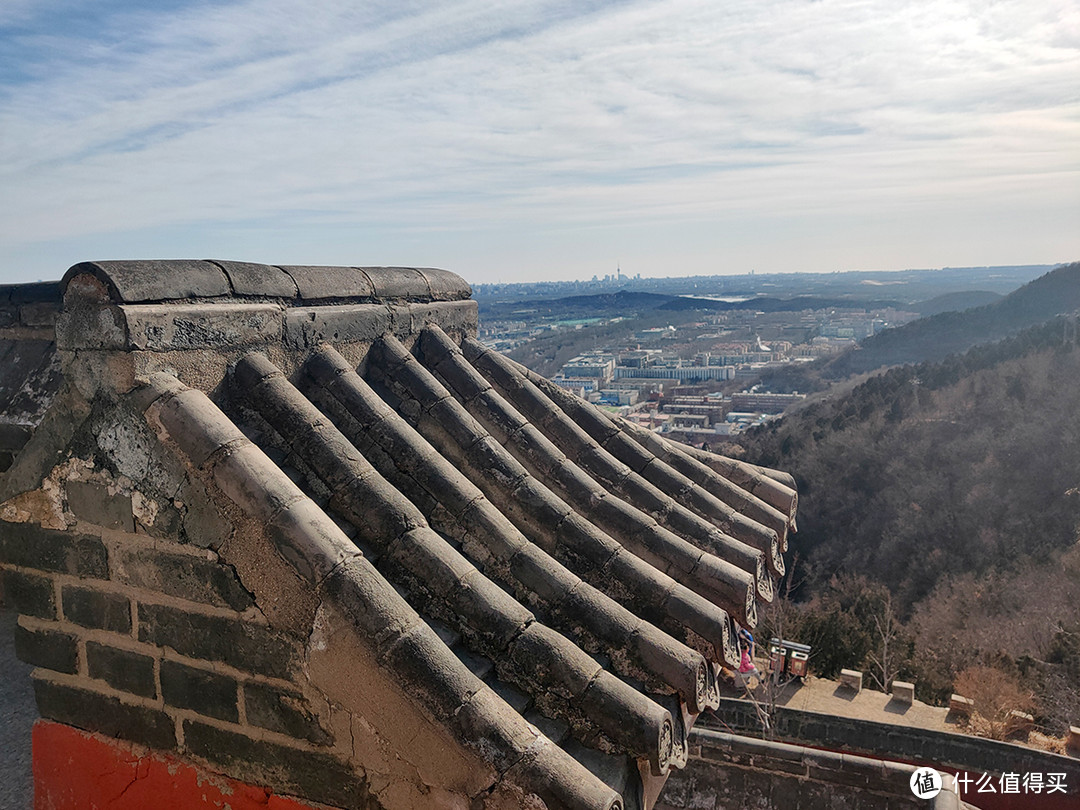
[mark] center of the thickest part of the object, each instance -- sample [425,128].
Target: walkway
[829,697]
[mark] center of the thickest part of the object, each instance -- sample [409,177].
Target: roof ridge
[211,280]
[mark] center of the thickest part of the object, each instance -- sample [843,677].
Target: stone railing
[727,771]
[943,750]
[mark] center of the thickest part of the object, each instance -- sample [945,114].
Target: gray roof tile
[523,563]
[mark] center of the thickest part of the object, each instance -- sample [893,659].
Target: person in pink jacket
[747,669]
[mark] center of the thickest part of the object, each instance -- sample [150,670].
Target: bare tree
[998,698]
[885,661]
[779,620]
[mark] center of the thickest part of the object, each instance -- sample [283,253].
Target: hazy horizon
[660,278]
[542,140]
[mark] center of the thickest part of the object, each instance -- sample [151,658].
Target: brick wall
[728,772]
[951,752]
[157,643]
[29,309]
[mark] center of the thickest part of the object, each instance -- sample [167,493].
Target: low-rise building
[763,401]
[676,373]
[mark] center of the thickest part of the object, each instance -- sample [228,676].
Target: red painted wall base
[75,770]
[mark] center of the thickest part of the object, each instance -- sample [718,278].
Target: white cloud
[471,115]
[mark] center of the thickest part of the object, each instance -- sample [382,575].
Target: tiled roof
[554,585]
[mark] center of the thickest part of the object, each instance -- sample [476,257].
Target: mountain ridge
[937,336]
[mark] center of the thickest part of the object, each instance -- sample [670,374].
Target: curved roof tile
[553,587]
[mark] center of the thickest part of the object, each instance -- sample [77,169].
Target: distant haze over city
[908,285]
[541,140]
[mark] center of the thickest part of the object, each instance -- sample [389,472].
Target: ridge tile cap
[258,280]
[148,280]
[141,281]
[324,282]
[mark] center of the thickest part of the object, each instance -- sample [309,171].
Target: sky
[541,139]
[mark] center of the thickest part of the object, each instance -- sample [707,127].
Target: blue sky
[541,139]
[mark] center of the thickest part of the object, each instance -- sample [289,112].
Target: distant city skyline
[541,140]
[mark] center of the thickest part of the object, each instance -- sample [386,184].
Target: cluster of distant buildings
[667,377]
[668,393]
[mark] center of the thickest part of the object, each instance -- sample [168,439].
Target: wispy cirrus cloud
[263,125]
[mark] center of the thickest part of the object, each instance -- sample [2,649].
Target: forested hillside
[936,337]
[951,491]
[959,465]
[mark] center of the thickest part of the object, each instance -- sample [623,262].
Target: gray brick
[168,327]
[106,715]
[284,712]
[249,647]
[457,318]
[36,292]
[90,608]
[51,649]
[314,776]
[28,594]
[121,669]
[30,546]
[341,324]
[39,314]
[204,692]
[182,575]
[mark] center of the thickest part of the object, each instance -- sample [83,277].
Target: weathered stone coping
[158,281]
[231,324]
[882,783]
[937,748]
